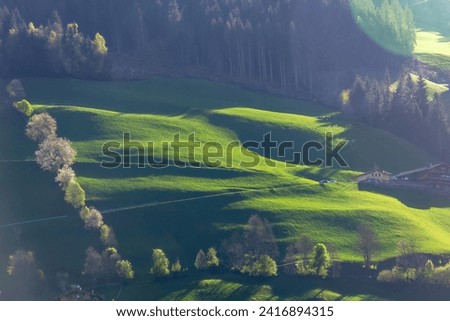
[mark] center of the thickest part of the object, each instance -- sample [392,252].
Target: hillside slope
[184,209]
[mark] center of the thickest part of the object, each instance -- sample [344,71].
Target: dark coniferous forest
[288,45]
[309,49]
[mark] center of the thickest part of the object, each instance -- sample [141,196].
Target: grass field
[433,42]
[204,286]
[200,206]
[433,49]
[432,87]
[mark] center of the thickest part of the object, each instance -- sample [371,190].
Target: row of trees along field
[277,43]
[404,109]
[254,251]
[56,154]
[412,267]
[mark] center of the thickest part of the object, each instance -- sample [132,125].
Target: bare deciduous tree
[259,238]
[201,261]
[93,265]
[368,243]
[110,258]
[15,90]
[22,267]
[409,257]
[296,251]
[234,251]
[256,240]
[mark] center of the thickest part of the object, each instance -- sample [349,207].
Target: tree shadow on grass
[410,198]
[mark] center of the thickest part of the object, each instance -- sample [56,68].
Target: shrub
[176,267]
[125,269]
[212,261]
[24,107]
[265,266]
[160,264]
[75,195]
[107,235]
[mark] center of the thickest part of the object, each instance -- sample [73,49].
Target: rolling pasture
[184,209]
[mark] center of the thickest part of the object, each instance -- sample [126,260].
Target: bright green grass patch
[366,146]
[321,295]
[339,209]
[158,96]
[185,184]
[101,126]
[432,87]
[361,297]
[217,289]
[312,125]
[433,48]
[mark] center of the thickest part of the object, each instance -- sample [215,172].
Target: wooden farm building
[375,176]
[433,179]
[432,176]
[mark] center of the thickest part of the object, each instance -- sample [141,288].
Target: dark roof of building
[419,170]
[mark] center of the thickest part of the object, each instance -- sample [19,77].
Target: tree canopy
[54,153]
[125,269]
[388,23]
[160,264]
[201,262]
[24,107]
[41,127]
[76,196]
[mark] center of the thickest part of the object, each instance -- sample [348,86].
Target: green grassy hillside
[432,40]
[433,49]
[192,208]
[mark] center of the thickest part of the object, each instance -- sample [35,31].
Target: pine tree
[358,96]
[421,96]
